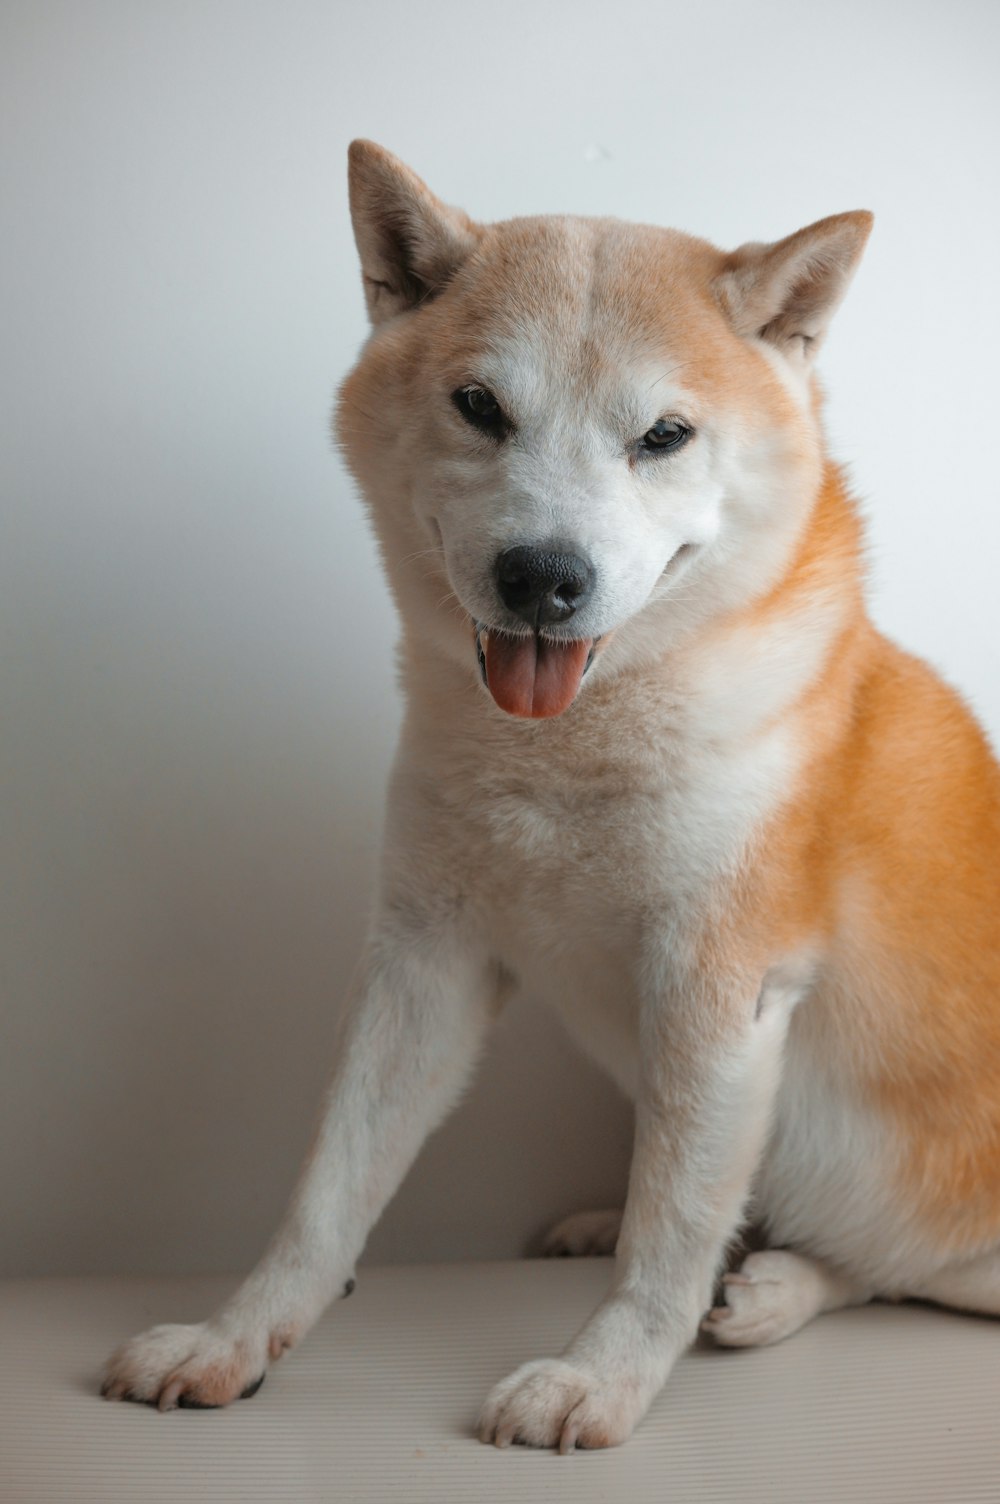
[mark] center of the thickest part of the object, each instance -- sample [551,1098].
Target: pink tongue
[531,677]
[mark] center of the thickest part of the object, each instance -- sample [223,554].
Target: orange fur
[886,857]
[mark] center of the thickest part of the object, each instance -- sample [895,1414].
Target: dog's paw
[582,1234]
[554,1404]
[774,1293]
[194,1367]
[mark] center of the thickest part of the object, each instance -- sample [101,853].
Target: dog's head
[578,435]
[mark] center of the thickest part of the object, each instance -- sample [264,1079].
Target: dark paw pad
[251,1389]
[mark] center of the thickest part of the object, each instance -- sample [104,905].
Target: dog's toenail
[348,1288]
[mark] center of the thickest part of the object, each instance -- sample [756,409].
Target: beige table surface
[881,1404]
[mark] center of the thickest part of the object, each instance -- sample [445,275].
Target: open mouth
[532,676]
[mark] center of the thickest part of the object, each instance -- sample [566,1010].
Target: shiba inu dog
[658,765]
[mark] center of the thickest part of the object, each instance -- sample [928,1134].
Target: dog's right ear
[410,243]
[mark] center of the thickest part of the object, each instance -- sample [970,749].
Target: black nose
[542,584]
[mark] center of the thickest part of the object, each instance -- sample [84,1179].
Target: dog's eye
[480,408]
[665,434]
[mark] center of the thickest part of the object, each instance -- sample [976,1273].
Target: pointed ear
[788,292]
[410,243]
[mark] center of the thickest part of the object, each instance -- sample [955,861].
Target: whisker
[356,406]
[423,553]
[679,366]
[450,600]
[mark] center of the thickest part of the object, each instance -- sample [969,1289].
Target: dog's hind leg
[583,1234]
[970,1286]
[773,1294]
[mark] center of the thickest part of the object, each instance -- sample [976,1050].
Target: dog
[658,766]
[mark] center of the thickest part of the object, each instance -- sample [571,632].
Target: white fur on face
[568,474]
[683,535]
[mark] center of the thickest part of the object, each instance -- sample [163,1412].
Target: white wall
[198,701]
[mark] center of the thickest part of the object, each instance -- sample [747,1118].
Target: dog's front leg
[422,1001]
[708,1073]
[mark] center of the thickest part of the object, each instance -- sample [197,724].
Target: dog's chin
[533,676]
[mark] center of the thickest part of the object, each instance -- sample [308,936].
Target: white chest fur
[576,843]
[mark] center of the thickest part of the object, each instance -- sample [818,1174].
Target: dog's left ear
[410,243]
[787,293]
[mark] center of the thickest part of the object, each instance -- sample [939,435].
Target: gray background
[196,649]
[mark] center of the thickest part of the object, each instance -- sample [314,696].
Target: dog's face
[578,432]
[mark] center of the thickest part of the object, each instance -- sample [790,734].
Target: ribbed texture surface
[881,1404]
